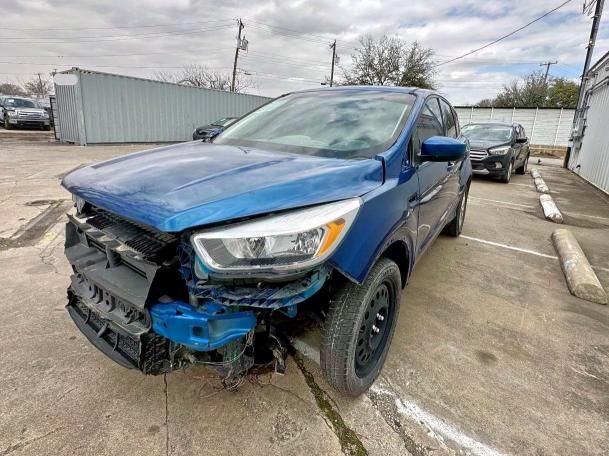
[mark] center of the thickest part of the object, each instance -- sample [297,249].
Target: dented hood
[191,184]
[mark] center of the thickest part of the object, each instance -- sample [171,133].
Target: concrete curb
[581,279]
[541,185]
[550,210]
[539,182]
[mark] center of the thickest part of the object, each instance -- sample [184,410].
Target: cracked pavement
[491,355]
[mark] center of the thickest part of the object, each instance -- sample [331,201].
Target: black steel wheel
[373,333]
[359,328]
[523,168]
[508,173]
[455,226]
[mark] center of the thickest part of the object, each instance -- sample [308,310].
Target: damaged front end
[158,301]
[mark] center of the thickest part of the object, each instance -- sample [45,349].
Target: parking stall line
[505,203]
[439,428]
[510,247]
[521,250]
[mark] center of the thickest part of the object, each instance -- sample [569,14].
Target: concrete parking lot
[492,354]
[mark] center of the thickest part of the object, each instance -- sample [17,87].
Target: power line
[116,27]
[505,36]
[198,52]
[111,66]
[115,37]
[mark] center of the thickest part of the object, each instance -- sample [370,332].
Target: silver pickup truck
[22,112]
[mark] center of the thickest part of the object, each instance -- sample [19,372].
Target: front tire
[523,169]
[455,226]
[7,125]
[359,328]
[508,173]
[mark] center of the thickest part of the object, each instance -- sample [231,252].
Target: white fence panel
[543,126]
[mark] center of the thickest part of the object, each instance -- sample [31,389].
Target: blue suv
[319,202]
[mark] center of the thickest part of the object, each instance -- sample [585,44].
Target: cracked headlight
[499,150]
[295,240]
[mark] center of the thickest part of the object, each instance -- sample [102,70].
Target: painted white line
[509,247]
[506,203]
[440,429]
[518,249]
[528,206]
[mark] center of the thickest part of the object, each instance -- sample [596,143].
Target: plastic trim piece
[206,328]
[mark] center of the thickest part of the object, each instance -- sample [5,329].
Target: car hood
[209,128]
[30,110]
[191,184]
[486,144]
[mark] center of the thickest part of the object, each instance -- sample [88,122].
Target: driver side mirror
[442,149]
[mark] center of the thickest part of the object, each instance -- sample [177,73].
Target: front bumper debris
[207,328]
[135,296]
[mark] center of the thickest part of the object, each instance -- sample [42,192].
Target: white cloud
[282,60]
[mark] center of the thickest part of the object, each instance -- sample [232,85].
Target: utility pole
[39,85]
[333,47]
[241,26]
[547,65]
[598,12]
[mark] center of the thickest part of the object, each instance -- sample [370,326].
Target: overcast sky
[288,40]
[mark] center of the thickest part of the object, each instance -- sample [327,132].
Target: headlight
[11,113]
[45,114]
[499,150]
[296,240]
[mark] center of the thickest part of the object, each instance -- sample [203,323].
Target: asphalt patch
[31,232]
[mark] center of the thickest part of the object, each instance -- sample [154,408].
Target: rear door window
[450,123]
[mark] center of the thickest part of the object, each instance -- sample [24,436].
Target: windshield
[224,121]
[20,103]
[487,132]
[335,124]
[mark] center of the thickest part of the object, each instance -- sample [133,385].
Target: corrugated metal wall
[543,126]
[122,109]
[590,155]
[66,122]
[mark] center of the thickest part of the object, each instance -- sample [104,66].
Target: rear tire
[523,169]
[455,226]
[508,173]
[359,328]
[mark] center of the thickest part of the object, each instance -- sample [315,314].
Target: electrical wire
[116,27]
[113,38]
[505,36]
[197,53]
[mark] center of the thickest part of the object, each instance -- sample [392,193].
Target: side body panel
[412,196]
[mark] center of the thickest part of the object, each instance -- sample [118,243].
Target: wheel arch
[399,253]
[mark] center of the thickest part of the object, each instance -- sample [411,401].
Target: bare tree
[390,61]
[38,87]
[200,76]
[8,88]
